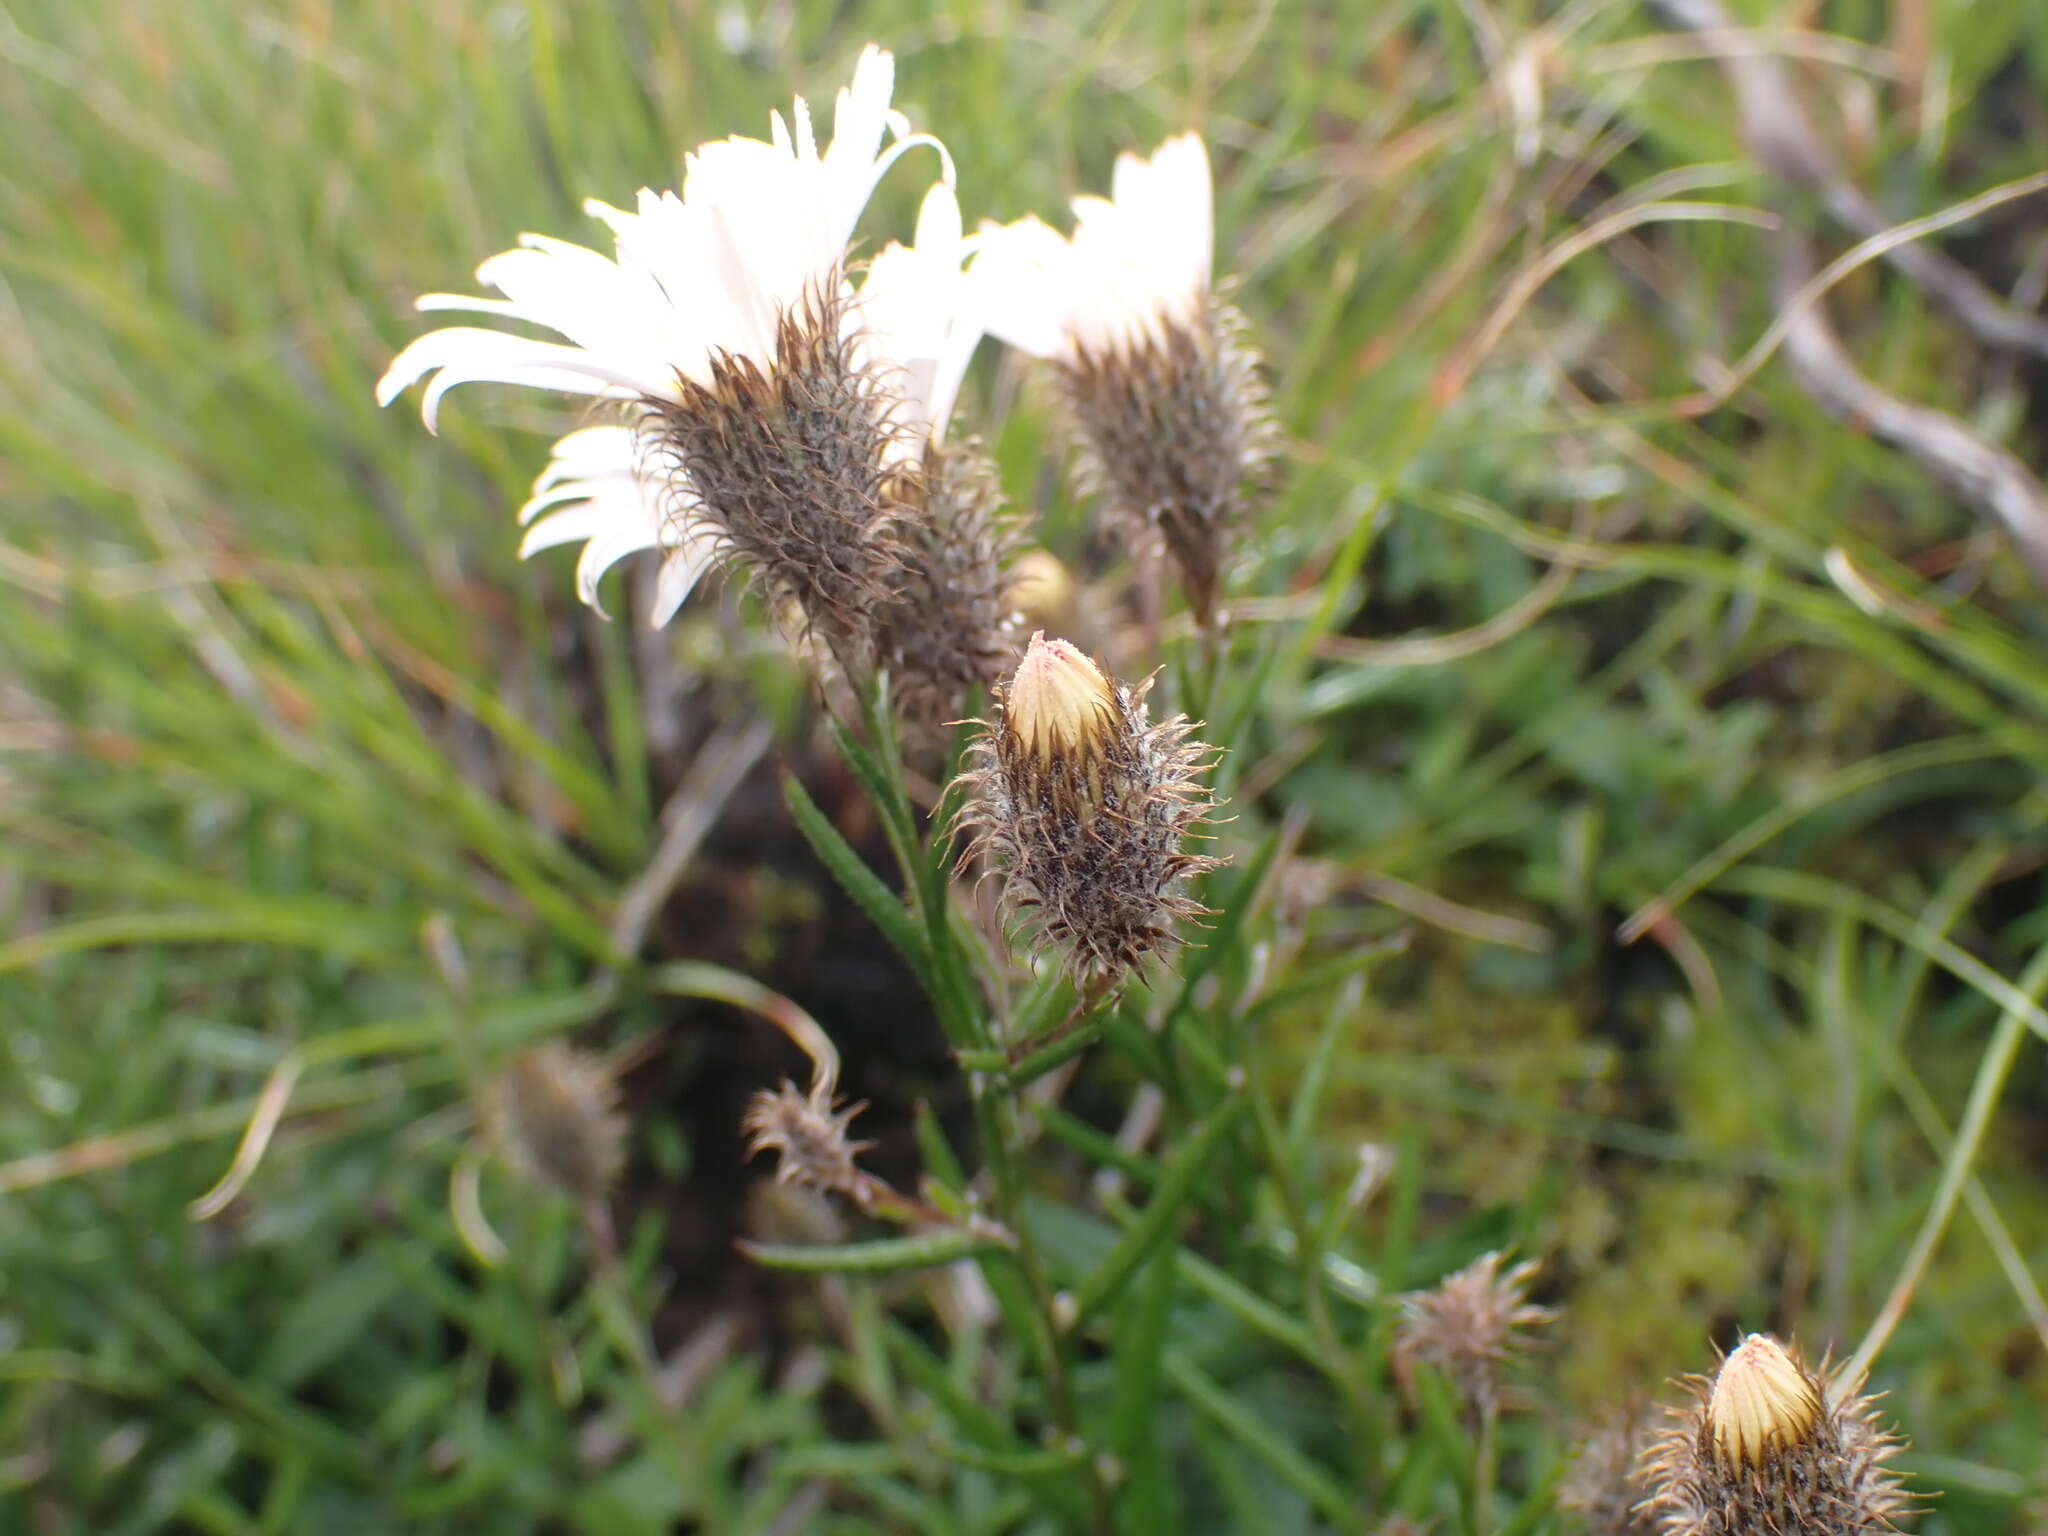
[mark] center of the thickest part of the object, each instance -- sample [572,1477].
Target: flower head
[1083,804]
[1162,386]
[1469,1326]
[553,1114]
[765,400]
[953,626]
[1604,1485]
[1765,1445]
[808,1132]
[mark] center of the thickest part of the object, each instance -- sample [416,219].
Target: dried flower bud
[1762,1447]
[950,629]
[1604,1486]
[552,1114]
[1467,1326]
[809,1134]
[1083,803]
[787,468]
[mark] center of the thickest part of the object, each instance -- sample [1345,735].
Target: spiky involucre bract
[950,629]
[1176,436]
[1780,1458]
[1082,803]
[790,465]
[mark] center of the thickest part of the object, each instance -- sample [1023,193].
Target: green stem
[1992,1072]
[1483,1472]
[995,1128]
[1337,1358]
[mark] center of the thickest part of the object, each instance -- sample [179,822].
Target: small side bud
[1041,589]
[808,1132]
[952,627]
[1603,1487]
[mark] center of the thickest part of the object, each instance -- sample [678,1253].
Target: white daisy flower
[1165,393]
[723,318]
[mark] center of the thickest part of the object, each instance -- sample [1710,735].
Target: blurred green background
[297,756]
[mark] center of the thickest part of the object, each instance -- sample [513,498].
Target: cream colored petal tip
[1762,1402]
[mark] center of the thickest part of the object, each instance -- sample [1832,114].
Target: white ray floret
[1138,260]
[917,319]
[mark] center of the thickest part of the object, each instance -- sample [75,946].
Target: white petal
[806,138]
[587,519]
[1021,279]
[468,355]
[1137,258]
[860,114]
[681,569]
[1186,192]
[606,550]
[589,452]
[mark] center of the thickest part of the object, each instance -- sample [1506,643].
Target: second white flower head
[1137,260]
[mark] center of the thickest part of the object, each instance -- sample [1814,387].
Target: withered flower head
[1762,1448]
[1164,390]
[553,1115]
[808,1132]
[1604,1485]
[1082,803]
[1467,1326]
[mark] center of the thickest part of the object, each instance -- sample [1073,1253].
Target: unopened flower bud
[1762,1403]
[1059,705]
[1765,1446]
[1083,803]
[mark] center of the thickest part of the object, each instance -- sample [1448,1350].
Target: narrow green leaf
[1021,1072]
[877,1257]
[1155,1225]
[1134,1402]
[1057,1461]
[1097,1146]
[857,880]
[1247,1429]
[1247,1306]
